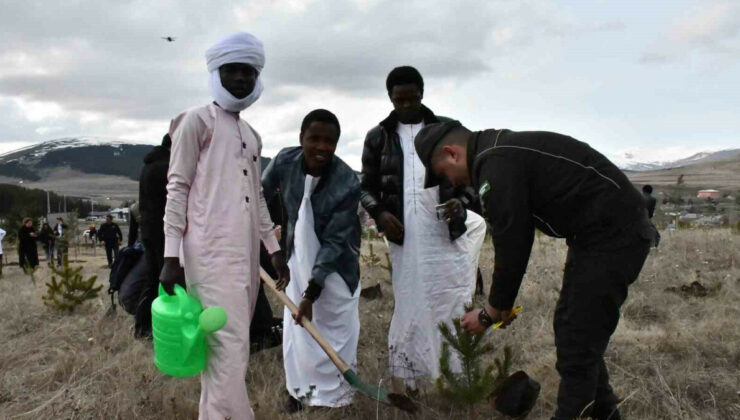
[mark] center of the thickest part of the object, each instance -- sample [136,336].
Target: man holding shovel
[566,189]
[321,195]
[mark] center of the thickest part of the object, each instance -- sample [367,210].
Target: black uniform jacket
[554,183]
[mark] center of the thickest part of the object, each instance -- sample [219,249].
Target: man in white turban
[216,215]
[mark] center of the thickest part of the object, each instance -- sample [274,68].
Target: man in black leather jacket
[393,194]
[382,157]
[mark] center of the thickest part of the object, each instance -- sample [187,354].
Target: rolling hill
[106,169]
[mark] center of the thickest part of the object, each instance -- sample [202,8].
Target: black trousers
[587,313]
[28,256]
[111,251]
[154,254]
[262,317]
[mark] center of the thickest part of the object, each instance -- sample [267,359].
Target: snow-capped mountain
[92,155]
[631,162]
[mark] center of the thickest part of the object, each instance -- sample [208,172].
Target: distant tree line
[19,202]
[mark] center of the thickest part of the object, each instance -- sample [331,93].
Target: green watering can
[179,328]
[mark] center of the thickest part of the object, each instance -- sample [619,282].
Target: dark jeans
[49,249]
[587,313]
[111,252]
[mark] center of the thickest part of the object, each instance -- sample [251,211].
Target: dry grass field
[674,355]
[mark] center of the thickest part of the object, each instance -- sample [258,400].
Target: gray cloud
[711,28]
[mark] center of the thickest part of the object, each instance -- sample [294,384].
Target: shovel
[375,392]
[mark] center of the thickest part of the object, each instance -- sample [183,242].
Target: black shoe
[143,334]
[602,413]
[274,338]
[292,406]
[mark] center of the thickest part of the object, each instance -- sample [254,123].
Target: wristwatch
[484,318]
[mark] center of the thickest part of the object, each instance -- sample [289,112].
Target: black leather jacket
[382,172]
[335,201]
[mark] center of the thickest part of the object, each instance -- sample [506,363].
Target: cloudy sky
[658,80]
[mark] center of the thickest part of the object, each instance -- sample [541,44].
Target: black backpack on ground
[135,280]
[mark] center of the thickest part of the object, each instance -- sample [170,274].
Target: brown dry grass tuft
[672,357]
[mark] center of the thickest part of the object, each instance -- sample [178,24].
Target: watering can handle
[179,291]
[338,362]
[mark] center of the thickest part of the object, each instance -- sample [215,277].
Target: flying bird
[168,38]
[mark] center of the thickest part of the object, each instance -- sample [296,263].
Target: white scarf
[240,47]
[228,101]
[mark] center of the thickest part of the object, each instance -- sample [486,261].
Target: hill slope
[629,163]
[722,175]
[85,154]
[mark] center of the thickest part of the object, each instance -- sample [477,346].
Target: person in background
[28,255]
[2,235]
[46,237]
[92,234]
[110,234]
[650,201]
[321,195]
[152,202]
[134,221]
[59,229]
[266,331]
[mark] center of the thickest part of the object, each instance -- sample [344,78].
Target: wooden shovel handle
[338,362]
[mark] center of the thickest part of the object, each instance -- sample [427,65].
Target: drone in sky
[169,38]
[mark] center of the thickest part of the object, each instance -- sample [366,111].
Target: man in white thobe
[321,195]
[434,260]
[216,215]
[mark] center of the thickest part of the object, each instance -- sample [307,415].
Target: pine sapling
[475,382]
[71,290]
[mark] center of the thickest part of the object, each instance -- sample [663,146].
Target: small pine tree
[71,290]
[475,383]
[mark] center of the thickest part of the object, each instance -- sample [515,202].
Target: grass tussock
[674,355]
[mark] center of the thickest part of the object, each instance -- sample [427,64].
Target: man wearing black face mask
[427,254]
[321,195]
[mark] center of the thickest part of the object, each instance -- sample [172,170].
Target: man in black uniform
[566,189]
[110,234]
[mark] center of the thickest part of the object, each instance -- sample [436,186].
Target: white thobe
[214,218]
[433,277]
[2,235]
[310,376]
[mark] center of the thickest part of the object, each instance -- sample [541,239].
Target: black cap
[426,141]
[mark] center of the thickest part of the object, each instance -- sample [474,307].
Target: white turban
[240,47]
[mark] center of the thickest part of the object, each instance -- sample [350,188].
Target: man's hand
[392,227]
[453,208]
[278,262]
[471,322]
[171,274]
[305,310]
